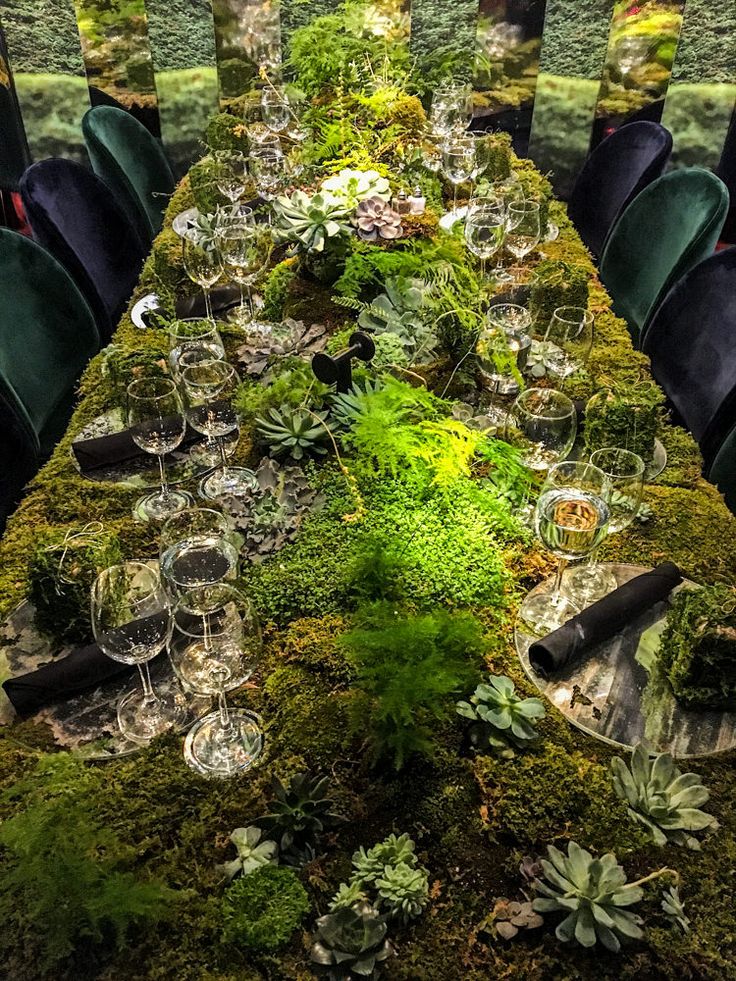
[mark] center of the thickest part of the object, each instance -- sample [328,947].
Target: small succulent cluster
[309,222]
[351,943]
[253,852]
[353,186]
[502,722]
[674,909]
[400,312]
[292,337]
[662,798]
[593,893]
[272,515]
[293,432]
[299,814]
[375,219]
[509,917]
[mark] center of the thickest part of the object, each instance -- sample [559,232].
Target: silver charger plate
[148,302]
[88,722]
[617,693]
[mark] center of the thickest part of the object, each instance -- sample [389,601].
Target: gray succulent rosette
[292,337]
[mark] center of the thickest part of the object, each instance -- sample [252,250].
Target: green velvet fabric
[722,471]
[47,336]
[132,163]
[665,231]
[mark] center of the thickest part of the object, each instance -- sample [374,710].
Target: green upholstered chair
[47,336]
[132,163]
[671,226]
[722,472]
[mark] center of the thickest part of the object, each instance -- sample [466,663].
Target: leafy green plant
[299,813]
[406,667]
[252,852]
[674,909]
[260,911]
[294,432]
[368,865]
[502,722]
[351,943]
[310,221]
[403,891]
[399,311]
[662,798]
[390,875]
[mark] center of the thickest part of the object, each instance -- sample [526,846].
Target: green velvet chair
[132,163]
[722,472]
[670,227]
[47,336]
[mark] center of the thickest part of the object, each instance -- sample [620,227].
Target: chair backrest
[132,163]
[668,228]
[692,345]
[47,334]
[722,472]
[614,173]
[726,170]
[74,216]
[19,458]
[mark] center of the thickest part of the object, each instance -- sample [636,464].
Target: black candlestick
[337,371]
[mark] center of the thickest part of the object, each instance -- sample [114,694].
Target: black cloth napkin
[603,619]
[81,670]
[107,451]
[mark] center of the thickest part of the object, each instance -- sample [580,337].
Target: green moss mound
[262,910]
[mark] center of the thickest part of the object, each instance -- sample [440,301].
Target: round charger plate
[86,723]
[148,302]
[617,693]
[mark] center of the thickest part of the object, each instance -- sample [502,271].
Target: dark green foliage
[299,814]
[443,40]
[406,667]
[576,45]
[556,284]
[628,417]
[261,910]
[351,943]
[63,884]
[698,647]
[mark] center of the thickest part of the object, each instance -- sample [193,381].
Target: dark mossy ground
[472,818]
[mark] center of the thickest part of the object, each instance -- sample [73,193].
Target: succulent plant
[502,721]
[300,812]
[202,230]
[662,798]
[369,865]
[351,944]
[309,222]
[353,186]
[403,891]
[674,908]
[348,895]
[375,219]
[398,311]
[252,852]
[292,337]
[594,894]
[510,916]
[294,432]
[530,868]
[390,353]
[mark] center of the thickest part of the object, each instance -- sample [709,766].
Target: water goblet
[485,228]
[196,552]
[131,623]
[268,167]
[571,519]
[275,109]
[503,347]
[203,265]
[458,163]
[193,335]
[524,230]
[155,417]
[246,250]
[568,340]
[231,174]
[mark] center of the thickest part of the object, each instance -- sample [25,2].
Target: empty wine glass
[485,228]
[571,519]
[268,168]
[275,110]
[230,174]
[131,623]
[196,551]
[568,340]
[458,163]
[200,335]
[203,265]
[246,250]
[524,230]
[155,417]
[508,190]
[210,388]
[625,473]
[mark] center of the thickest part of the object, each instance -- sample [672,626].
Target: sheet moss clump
[698,647]
[628,417]
[556,283]
[276,289]
[262,910]
[226,132]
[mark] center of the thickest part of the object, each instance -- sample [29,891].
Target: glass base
[193,667]
[588,583]
[215,751]
[542,612]
[238,481]
[154,507]
[140,721]
[208,454]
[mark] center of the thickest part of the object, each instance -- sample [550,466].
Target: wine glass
[196,552]
[203,265]
[131,623]
[571,518]
[568,340]
[246,250]
[268,169]
[524,231]
[458,163]
[625,473]
[485,228]
[195,334]
[503,347]
[230,174]
[210,388]
[155,417]
[275,110]
[508,190]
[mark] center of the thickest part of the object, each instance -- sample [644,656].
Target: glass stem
[561,566]
[164,483]
[251,311]
[223,454]
[454,198]
[482,268]
[149,695]
[207,304]
[225,721]
[593,560]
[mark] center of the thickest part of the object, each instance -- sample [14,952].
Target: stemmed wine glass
[568,340]
[268,167]
[571,518]
[193,335]
[203,265]
[458,163]
[155,417]
[275,110]
[196,551]
[210,388]
[485,228]
[246,250]
[524,231]
[625,473]
[231,174]
[131,623]
[505,338]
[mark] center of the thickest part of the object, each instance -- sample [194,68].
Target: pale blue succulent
[253,852]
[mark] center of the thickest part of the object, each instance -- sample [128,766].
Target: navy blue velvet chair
[614,173]
[727,172]
[692,345]
[74,215]
[722,471]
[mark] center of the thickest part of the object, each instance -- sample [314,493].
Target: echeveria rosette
[403,891]
[353,186]
[310,221]
[375,219]
[593,893]
[503,721]
[252,852]
[370,865]
[662,798]
[351,943]
[293,432]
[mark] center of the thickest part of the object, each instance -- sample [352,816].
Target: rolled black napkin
[192,307]
[603,619]
[81,670]
[107,451]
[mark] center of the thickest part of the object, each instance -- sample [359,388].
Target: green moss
[226,132]
[628,417]
[205,194]
[556,283]
[276,289]
[262,910]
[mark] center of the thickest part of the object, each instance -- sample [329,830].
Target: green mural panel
[574,48]
[703,88]
[45,56]
[443,38]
